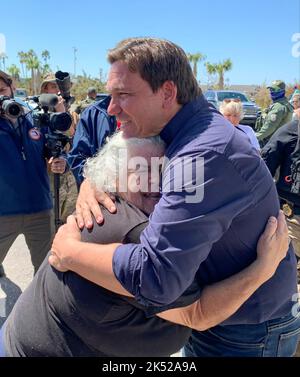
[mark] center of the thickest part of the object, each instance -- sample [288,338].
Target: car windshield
[223,95]
[20,93]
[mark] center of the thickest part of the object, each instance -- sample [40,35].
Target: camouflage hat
[6,78]
[91,90]
[50,77]
[277,85]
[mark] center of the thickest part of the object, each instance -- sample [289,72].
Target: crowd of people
[177,240]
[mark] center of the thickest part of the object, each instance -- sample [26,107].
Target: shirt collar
[180,120]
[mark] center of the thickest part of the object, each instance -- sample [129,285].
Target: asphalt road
[19,273]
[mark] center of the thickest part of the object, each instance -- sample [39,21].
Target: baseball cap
[91,90]
[277,85]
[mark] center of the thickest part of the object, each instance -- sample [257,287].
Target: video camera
[64,83]
[9,107]
[46,115]
[57,123]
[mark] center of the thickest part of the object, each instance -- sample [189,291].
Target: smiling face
[142,177]
[140,111]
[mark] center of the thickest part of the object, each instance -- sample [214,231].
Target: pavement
[19,273]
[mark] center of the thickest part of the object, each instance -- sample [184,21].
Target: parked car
[251,110]
[20,93]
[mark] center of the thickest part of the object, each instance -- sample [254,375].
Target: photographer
[68,189]
[24,184]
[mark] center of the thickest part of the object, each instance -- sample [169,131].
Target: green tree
[14,71]
[22,59]
[45,68]
[219,69]
[82,83]
[194,60]
[33,64]
[45,56]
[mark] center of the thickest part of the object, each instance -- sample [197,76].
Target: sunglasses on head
[227,100]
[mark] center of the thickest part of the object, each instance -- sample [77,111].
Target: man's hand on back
[88,204]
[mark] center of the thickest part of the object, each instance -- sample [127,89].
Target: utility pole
[75,59]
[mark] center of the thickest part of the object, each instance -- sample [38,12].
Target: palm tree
[33,63]
[46,56]
[14,71]
[22,57]
[195,59]
[46,66]
[220,68]
[3,56]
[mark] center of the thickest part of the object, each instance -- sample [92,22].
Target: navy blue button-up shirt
[211,233]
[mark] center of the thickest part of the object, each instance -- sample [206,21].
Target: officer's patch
[34,134]
[273,117]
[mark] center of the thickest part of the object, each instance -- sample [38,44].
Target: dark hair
[158,61]
[5,78]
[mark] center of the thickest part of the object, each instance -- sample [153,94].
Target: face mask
[276,95]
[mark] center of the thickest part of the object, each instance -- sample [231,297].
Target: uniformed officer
[91,97]
[278,113]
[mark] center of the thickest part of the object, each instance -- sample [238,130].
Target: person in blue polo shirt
[26,203]
[94,126]
[209,218]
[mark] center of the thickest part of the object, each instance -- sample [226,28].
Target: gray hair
[102,169]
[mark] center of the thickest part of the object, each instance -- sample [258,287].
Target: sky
[261,37]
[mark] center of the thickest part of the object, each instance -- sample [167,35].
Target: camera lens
[14,110]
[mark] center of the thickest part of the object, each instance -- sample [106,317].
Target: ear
[169,93]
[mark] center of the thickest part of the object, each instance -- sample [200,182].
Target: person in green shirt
[276,115]
[91,97]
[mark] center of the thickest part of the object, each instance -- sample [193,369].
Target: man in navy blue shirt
[217,195]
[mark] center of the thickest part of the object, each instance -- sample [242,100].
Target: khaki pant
[38,230]
[67,194]
[294,232]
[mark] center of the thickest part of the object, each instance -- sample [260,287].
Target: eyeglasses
[228,100]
